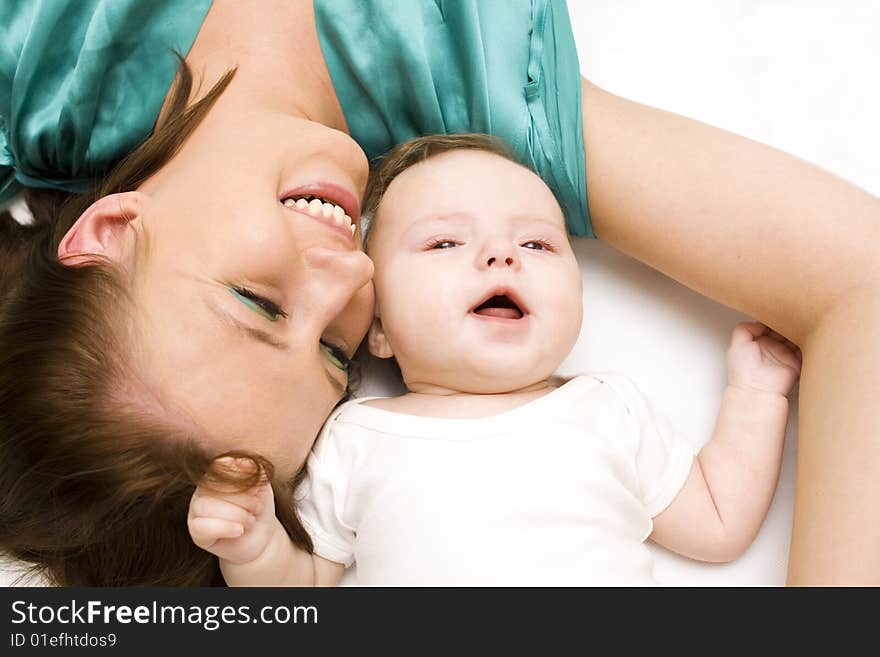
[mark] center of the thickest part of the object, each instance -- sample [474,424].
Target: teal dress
[82,82]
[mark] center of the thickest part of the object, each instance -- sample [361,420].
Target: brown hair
[409,153]
[95,483]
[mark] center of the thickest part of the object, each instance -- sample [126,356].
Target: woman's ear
[377,341]
[102,230]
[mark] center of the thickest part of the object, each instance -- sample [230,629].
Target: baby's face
[477,287]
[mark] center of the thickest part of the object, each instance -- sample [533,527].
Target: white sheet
[797,74]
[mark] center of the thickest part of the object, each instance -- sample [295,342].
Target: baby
[490,471]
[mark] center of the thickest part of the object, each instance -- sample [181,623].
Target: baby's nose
[498,253]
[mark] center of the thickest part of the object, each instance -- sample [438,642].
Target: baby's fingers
[746,332]
[792,347]
[250,500]
[207,531]
[207,506]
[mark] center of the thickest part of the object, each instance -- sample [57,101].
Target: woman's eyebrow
[254,333]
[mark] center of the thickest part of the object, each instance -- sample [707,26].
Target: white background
[800,75]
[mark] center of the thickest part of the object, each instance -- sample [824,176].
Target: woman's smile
[333,203]
[327,213]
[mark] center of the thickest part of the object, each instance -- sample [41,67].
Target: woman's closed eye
[271,311]
[264,307]
[336,356]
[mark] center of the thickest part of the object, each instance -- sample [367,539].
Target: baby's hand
[761,359]
[235,526]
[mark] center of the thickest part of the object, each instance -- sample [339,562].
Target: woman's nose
[333,278]
[498,254]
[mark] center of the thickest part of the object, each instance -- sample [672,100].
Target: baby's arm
[241,528]
[721,507]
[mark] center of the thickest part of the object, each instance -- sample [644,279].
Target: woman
[111,408]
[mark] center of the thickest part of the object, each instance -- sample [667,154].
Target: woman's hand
[236,526]
[760,359]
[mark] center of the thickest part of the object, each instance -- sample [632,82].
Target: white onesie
[559,491]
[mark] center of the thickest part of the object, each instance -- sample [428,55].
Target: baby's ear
[377,341]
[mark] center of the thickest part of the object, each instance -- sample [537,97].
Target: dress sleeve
[420,67]
[662,457]
[81,84]
[321,498]
[555,140]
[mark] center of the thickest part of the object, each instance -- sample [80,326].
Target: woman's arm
[794,247]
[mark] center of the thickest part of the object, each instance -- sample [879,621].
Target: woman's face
[245,303]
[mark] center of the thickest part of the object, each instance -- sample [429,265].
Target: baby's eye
[442,244]
[260,305]
[536,245]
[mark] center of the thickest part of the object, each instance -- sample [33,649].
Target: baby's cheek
[567,299]
[567,312]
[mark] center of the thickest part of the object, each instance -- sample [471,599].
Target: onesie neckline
[420,426]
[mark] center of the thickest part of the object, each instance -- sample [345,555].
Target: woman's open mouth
[329,203]
[322,209]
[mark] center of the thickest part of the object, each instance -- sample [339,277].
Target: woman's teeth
[319,208]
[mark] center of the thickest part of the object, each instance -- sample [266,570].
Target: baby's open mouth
[499,305]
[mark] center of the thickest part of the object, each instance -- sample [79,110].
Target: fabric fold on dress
[81,84]
[404,69]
